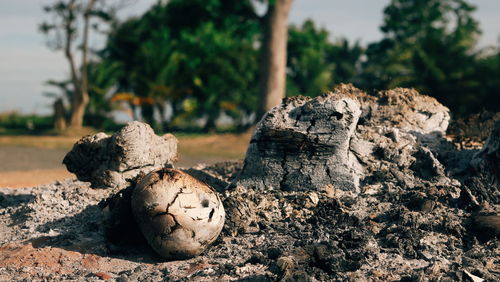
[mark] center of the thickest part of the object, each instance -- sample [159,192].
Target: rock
[402,108]
[406,224]
[113,161]
[307,144]
[178,215]
[303,144]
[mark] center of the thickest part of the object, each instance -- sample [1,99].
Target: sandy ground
[22,166]
[16,179]
[31,160]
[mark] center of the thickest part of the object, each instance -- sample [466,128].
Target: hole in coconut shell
[205,203]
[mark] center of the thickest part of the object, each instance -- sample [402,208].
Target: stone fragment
[178,215]
[303,144]
[113,161]
[402,108]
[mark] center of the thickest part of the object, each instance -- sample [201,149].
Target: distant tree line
[189,61]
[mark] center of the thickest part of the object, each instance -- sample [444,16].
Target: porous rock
[308,144]
[401,108]
[178,215]
[113,161]
[303,144]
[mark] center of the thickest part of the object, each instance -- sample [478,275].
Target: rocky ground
[426,208]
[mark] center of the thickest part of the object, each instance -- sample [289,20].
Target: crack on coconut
[211,214]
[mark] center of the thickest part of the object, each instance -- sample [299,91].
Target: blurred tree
[309,69]
[101,83]
[223,70]
[70,21]
[101,86]
[62,94]
[315,64]
[216,39]
[59,115]
[122,44]
[346,59]
[487,83]
[428,45]
[273,55]
[197,56]
[143,52]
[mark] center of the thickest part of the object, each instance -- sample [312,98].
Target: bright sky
[26,63]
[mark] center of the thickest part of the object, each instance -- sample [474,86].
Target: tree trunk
[59,115]
[161,111]
[133,109]
[147,113]
[273,73]
[81,95]
[210,125]
[69,56]
[304,145]
[79,105]
[117,160]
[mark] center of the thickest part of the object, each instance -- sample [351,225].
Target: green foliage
[346,60]
[194,53]
[486,83]
[237,17]
[200,58]
[309,70]
[102,82]
[16,123]
[429,45]
[223,68]
[315,64]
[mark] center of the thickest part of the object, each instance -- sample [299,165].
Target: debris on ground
[424,210]
[114,161]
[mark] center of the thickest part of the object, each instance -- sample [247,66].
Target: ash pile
[345,186]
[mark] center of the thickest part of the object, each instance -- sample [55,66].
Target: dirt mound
[472,131]
[423,212]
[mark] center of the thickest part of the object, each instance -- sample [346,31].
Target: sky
[26,62]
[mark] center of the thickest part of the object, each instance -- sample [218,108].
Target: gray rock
[307,144]
[303,144]
[113,161]
[402,108]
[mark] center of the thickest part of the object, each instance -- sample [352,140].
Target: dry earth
[37,160]
[423,212]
